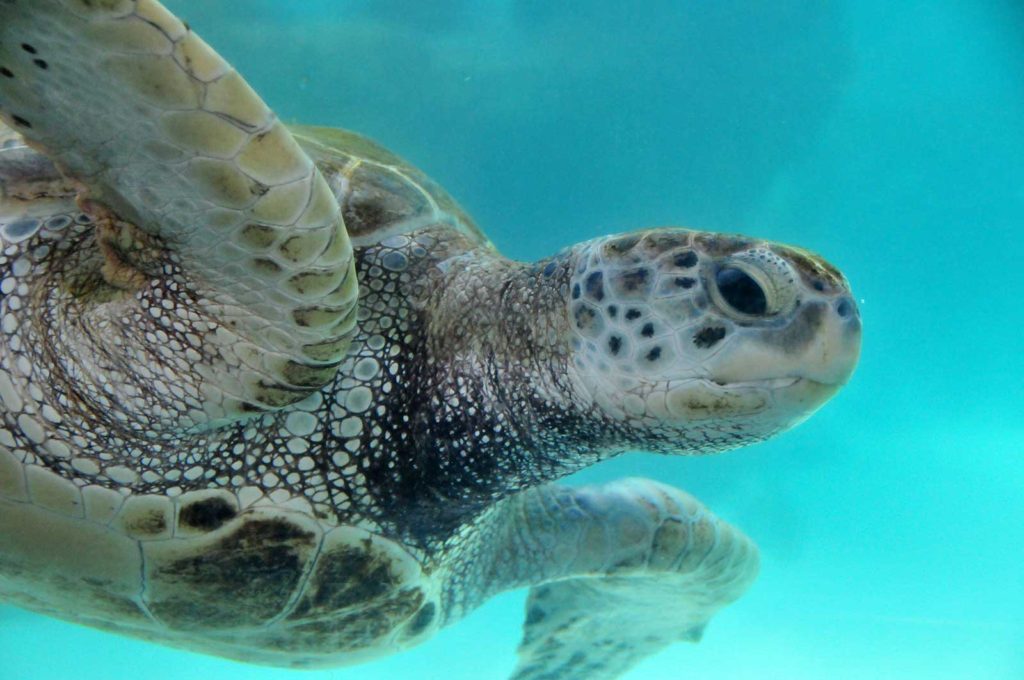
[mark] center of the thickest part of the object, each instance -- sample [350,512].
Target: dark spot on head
[41,64]
[594,285]
[207,514]
[634,279]
[614,344]
[621,245]
[818,285]
[707,337]
[584,317]
[654,354]
[21,121]
[844,307]
[687,259]
[633,314]
[648,330]
[28,48]
[717,245]
[613,311]
[575,291]
[662,240]
[6,72]
[685,282]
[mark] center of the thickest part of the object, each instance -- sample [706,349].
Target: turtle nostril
[844,307]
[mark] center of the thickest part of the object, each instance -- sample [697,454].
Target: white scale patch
[300,423]
[20,230]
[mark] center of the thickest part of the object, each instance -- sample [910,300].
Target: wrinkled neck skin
[493,406]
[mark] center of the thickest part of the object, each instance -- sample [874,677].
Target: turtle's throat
[505,314]
[503,407]
[503,326]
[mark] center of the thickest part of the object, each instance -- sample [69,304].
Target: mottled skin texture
[182,459]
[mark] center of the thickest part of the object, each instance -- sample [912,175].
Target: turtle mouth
[764,383]
[781,383]
[796,395]
[799,396]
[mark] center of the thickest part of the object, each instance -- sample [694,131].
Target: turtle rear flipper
[617,573]
[175,154]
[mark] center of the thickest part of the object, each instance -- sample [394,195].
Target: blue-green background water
[888,136]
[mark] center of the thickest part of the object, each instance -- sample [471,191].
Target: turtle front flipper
[181,165]
[618,572]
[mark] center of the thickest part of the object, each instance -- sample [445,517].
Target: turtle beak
[822,345]
[838,349]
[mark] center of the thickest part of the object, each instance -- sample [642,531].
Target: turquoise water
[887,136]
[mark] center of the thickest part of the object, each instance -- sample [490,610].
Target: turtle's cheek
[693,401]
[820,343]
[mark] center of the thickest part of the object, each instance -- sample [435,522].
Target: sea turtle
[268,393]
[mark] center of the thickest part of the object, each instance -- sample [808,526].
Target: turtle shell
[265,583]
[380,194]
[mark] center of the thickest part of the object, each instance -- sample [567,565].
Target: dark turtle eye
[741,292]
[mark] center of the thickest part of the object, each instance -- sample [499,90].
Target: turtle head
[693,342]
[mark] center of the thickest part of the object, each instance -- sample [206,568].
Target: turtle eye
[741,292]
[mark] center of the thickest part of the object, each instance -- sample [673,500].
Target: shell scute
[49,560]
[355,569]
[378,196]
[146,517]
[200,512]
[244,574]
